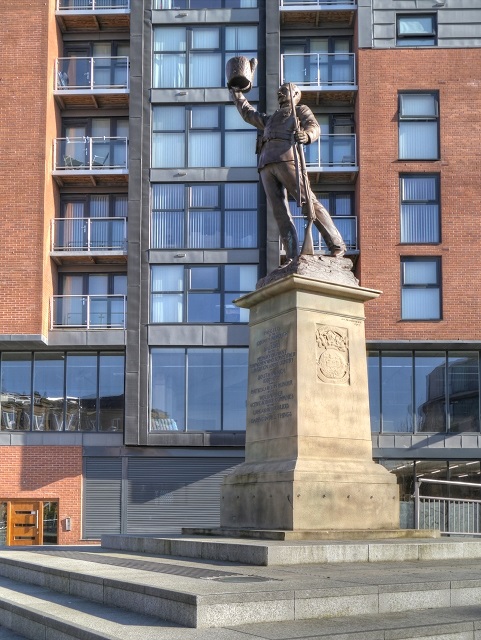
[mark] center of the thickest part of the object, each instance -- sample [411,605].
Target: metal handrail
[78,236]
[67,79]
[82,156]
[462,508]
[312,66]
[93,5]
[326,152]
[85,314]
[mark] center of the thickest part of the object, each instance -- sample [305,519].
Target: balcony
[92,82]
[324,78]
[88,312]
[315,12]
[93,15]
[96,161]
[89,240]
[332,158]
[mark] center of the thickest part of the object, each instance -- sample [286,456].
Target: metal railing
[88,312]
[452,516]
[320,70]
[332,150]
[91,154]
[89,234]
[89,74]
[319,4]
[93,5]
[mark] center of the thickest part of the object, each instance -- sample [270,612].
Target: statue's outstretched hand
[301,136]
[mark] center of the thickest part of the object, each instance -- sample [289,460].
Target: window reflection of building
[71,391]
[424,391]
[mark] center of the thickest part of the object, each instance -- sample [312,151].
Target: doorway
[28,522]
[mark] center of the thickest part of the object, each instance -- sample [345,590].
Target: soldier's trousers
[278,180]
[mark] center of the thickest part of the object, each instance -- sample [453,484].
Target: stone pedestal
[308,441]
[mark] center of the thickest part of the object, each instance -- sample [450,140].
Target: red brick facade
[27,126]
[46,473]
[382,73]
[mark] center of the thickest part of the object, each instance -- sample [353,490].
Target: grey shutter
[166,494]
[102,496]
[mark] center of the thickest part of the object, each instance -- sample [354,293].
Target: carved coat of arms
[332,354]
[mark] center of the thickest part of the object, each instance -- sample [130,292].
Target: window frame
[436,201]
[438,285]
[404,118]
[188,290]
[410,38]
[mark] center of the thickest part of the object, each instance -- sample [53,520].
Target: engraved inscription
[332,346]
[271,386]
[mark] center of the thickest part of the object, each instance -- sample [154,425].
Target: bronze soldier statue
[277,166]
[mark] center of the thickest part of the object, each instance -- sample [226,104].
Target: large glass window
[205,216]
[420,221]
[424,391]
[202,294]
[198,389]
[421,288]
[201,136]
[81,391]
[416,30]
[196,56]
[204,4]
[418,126]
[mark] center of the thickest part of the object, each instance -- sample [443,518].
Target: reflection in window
[421,288]
[200,389]
[207,216]
[444,387]
[416,30]
[50,523]
[65,393]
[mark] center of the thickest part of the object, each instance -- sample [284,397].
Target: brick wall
[46,473]
[25,162]
[382,73]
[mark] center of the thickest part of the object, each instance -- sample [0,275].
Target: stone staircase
[190,588]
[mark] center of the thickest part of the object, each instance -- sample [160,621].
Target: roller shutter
[102,496]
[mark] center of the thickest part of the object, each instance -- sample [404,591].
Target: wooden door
[24,523]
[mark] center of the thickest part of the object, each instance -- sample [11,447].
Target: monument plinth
[308,462]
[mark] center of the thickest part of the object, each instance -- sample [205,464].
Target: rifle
[299,160]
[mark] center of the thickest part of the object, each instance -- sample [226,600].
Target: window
[341,208]
[198,389]
[418,126]
[421,288]
[206,216]
[196,56]
[424,391]
[201,136]
[318,61]
[58,391]
[202,294]
[416,30]
[420,208]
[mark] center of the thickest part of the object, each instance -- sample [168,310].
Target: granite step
[213,594]
[37,613]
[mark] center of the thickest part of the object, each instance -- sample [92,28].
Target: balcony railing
[319,70]
[90,154]
[346,225]
[318,4]
[93,5]
[332,151]
[88,312]
[92,74]
[89,234]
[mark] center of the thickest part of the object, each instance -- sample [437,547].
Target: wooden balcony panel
[94,179]
[92,101]
[328,98]
[89,258]
[316,18]
[94,22]
[349,176]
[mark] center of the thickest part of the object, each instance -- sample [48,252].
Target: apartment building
[132,217]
